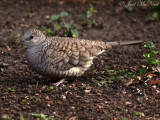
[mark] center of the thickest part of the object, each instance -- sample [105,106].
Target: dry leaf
[154,82]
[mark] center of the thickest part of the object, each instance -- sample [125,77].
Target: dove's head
[34,37]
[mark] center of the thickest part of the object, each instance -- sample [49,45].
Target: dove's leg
[60,82]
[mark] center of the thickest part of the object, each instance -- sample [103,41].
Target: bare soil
[81,98]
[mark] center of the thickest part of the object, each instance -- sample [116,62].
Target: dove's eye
[31,37]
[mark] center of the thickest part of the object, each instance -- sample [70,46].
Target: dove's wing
[70,57]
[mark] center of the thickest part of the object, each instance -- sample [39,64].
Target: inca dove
[61,56]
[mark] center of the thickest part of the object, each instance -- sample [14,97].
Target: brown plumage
[61,56]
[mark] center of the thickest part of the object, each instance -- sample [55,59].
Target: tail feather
[123,43]
[130,42]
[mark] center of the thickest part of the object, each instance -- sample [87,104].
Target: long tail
[123,43]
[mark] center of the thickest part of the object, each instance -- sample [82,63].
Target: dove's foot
[60,82]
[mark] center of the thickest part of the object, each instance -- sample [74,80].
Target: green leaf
[110,71]
[130,74]
[55,18]
[145,61]
[21,117]
[154,16]
[70,26]
[145,55]
[30,15]
[74,33]
[63,96]
[126,75]
[93,22]
[123,118]
[89,14]
[102,83]
[154,52]
[51,87]
[102,72]
[42,116]
[154,61]
[57,27]
[152,47]
[82,16]
[5,1]
[66,33]
[112,78]
[34,114]
[49,31]
[138,113]
[10,90]
[123,71]
[148,44]
[154,7]
[128,8]
[118,77]
[63,14]
[142,71]
[91,8]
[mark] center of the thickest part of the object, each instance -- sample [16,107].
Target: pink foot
[60,82]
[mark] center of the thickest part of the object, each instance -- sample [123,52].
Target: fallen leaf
[129,82]
[154,82]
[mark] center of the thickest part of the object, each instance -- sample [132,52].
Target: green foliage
[150,58]
[138,113]
[42,116]
[46,31]
[102,83]
[116,75]
[51,87]
[90,12]
[24,101]
[21,117]
[123,118]
[142,71]
[10,90]
[30,15]
[89,20]
[60,25]
[154,16]
[129,74]
[59,16]
[155,4]
[63,96]
[113,75]
[1,80]
[102,72]
[38,100]
[5,1]
[74,33]
[2,73]
[15,40]
[128,8]
[99,83]
[4,117]
[154,7]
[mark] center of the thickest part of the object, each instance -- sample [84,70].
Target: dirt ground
[23,92]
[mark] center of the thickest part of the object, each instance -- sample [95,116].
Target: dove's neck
[35,55]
